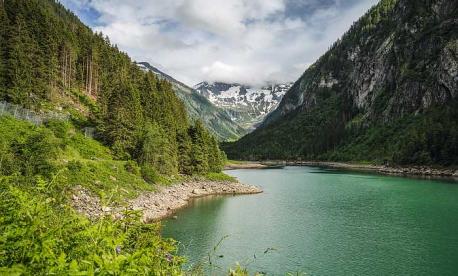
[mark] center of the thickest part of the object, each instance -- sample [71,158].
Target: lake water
[325,222]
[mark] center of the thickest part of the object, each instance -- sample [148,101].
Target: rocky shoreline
[160,204]
[423,171]
[412,170]
[245,165]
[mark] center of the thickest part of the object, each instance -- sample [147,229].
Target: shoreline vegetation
[424,171]
[162,203]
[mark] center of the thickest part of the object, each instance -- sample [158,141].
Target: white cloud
[244,41]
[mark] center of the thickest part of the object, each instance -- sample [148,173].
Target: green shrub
[132,167]
[75,166]
[59,128]
[37,153]
[39,236]
[89,148]
[150,174]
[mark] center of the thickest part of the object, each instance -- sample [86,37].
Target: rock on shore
[159,204]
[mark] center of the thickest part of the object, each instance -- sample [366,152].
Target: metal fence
[36,118]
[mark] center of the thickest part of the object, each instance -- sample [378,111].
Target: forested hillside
[50,60]
[215,119]
[386,92]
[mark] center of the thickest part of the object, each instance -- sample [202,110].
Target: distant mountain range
[246,105]
[216,119]
[228,110]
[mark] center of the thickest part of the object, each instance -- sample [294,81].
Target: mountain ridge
[375,95]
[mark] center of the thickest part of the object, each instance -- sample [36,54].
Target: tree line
[49,59]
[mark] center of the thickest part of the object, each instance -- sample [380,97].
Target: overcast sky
[252,42]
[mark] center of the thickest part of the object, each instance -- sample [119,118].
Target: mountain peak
[247,105]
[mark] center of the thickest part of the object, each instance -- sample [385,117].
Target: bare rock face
[160,204]
[409,59]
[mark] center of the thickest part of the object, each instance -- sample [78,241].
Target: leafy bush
[41,234]
[89,148]
[75,166]
[38,236]
[150,174]
[132,167]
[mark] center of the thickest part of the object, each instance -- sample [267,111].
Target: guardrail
[36,118]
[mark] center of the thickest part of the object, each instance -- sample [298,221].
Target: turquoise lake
[324,222]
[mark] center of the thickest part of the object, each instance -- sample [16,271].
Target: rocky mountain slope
[218,120]
[246,105]
[387,91]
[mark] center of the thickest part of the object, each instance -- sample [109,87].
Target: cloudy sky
[252,42]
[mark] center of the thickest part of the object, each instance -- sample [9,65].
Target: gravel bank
[159,204]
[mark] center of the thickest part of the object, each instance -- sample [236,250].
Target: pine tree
[3,44]
[184,152]
[122,119]
[156,150]
[19,68]
[199,150]
[216,157]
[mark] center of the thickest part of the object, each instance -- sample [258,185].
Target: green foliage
[31,151]
[150,174]
[39,236]
[423,139]
[88,148]
[220,177]
[132,167]
[205,155]
[50,59]
[156,150]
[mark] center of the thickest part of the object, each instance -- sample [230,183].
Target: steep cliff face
[404,52]
[398,60]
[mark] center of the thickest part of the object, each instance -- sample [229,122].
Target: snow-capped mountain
[247,106]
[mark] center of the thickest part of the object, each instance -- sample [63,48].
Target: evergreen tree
[184,152]
[156,150]
[20,64]
[122,119]
[199,150]
[3,44]
[216,157]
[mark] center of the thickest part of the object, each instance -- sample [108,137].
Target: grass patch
[220,177]
[89,148]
